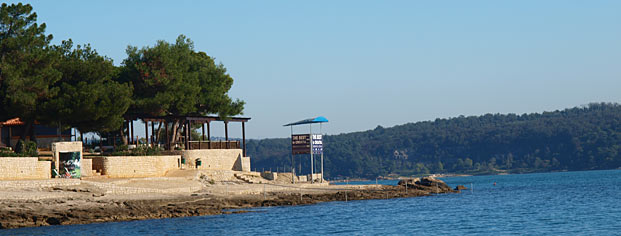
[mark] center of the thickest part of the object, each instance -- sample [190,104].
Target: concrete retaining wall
[21,168]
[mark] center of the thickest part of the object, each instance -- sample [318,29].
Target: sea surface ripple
[562,203]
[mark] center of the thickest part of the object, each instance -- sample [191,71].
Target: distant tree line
[74,86]
[581,138]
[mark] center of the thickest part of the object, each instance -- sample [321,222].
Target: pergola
[187,122]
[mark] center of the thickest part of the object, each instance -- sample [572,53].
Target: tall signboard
[300,144]
[307,144]
[317,144]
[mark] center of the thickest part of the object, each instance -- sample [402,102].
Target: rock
[408,181]
[460,187]
[428,184]
[53,221]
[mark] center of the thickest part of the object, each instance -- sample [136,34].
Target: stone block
[24,168]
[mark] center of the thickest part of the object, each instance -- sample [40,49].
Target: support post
[321,152]
[187,135]
[244,137]
[208,135]
[226,133]
[146,132]
[128,132]
[292,163]
[311,152]
[153,133]
[203,132]
[131,123]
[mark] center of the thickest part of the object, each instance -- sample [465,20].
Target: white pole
[311,153]
[292,165]
[321,152]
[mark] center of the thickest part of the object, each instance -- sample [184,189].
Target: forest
[581,138]
[73,86]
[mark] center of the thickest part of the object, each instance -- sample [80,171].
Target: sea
[561,203]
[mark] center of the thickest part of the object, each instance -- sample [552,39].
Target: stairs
[251,179]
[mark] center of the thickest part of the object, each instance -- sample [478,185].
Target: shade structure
[319,119]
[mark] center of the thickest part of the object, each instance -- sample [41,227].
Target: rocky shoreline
[96,208]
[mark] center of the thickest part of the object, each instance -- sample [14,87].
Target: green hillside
[581,138]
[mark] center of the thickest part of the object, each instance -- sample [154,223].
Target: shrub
[141,150]
[26,148]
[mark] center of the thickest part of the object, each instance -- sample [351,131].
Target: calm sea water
[567,203]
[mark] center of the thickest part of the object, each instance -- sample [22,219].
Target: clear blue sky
[368,63]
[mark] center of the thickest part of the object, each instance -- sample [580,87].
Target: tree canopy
[174,79]
[26,64]
[581,138]
[88,99]
[55,84]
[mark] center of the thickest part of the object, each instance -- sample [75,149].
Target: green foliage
[140,150]
[173,79]
[122,148]
[26,148]
[7,152]
[582,138]
[88,99]
[26,63]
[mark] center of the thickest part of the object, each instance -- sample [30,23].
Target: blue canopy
[319,119]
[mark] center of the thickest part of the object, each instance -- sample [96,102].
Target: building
[11,131]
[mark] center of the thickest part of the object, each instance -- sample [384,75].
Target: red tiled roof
[15,122]
[12,122]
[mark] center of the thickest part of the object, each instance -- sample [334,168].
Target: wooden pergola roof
[195,118]
[186,122]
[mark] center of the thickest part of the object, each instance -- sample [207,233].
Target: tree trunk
[157,134]
[26,129]
[175,133]
[33,137]
[122,132]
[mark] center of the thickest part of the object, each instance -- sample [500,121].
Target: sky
[367,63]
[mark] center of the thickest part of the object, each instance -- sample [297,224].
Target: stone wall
[269,175]
[244,164]
[216,159]
[21,168]
[135,166]
[87,167]
[97,163]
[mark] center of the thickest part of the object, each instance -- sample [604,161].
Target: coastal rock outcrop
[460,187]
[427,183]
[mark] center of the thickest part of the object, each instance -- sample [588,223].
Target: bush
[141,150]
[121,148]
[6,153]
[26,148]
